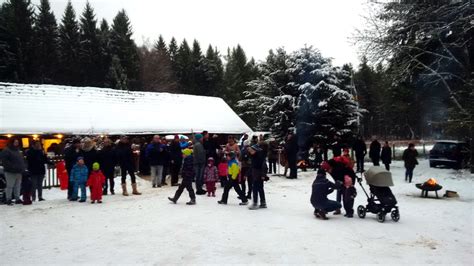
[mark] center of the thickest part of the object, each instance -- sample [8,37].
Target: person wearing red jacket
[96,182]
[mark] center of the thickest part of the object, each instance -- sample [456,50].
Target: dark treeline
[79,50]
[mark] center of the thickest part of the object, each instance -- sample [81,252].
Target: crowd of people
[203,161]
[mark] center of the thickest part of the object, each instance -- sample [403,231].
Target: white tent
[43,109]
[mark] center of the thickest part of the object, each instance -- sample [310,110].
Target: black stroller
[381,200]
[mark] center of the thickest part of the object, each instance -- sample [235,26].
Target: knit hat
[95,166]
[325,166]
[210,159]
[80,158]
[198,136]
[187,152]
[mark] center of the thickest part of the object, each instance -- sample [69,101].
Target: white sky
[257,25]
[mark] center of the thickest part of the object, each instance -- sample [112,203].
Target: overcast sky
[257,25]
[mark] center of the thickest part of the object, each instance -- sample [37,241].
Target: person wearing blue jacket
[78,178]
[322,187]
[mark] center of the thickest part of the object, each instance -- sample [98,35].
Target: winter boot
[124,190]
[243,203]
[172,200]
[322,215]
[191,202]
[253,206]
[337,212]
[222,202]
[263,205]
[104,192]
[134,189]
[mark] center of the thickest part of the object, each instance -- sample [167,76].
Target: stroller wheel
[395,215]
[361,211]
[381,217]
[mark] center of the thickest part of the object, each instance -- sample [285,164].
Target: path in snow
[148,229]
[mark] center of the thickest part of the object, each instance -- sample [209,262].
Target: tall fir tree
[89,53]
[184,67]
[213,72]
[69,44]
[16,31]
[105,56]
[123,46]
[160,46]
[46,44]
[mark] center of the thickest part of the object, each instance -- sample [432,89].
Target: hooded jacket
[322,187]
[36,160]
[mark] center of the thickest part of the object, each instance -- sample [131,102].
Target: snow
[39,109]
[147,229]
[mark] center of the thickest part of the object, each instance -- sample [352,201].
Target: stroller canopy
[378,176]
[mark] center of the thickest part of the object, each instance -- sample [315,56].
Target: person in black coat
[166,161]
[89,152]
[291,151]
[386,155]
[125,161]
[337,147]
[108,161]
[36,159]
[210,145]
[70,158]
[321,188]
[374,152]
[176,159]
[338,170]
[360,151]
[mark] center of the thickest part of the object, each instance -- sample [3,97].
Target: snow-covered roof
[41,109]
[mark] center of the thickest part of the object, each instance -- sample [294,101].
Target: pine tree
[237,73]
[69,45]
[125,48]
[116,77]
[46,44]
[89,53]
[198,84]
[16,44]
[173,50]
[213,72]
[184,67]
[105,56]
[160,46]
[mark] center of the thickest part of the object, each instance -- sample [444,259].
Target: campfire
[431,182]
[429,185]
[302,164]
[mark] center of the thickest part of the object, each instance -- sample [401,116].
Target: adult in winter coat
[37,159]
[108,161]
[89,153]
[409,157]
[386,155]
[176,158]
[125,160]
[322,187]
[156,158]
[199,157]
[166,161]
[13,167]
[338,170]
[272,156]
[258,155]
[374,152]
[337,147]
[210,145]
[188,175]
[245,169]
[291,151]
[360,151]
[70,158]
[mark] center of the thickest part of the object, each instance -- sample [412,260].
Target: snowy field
[148,229]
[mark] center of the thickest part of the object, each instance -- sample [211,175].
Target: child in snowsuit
[233,171]
[78,179]
[348,193]
[211,176]
[187,173]
[222,169]
[96,183]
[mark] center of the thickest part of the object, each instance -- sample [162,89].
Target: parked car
[450,153]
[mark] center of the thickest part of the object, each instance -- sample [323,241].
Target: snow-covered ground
[148,229]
